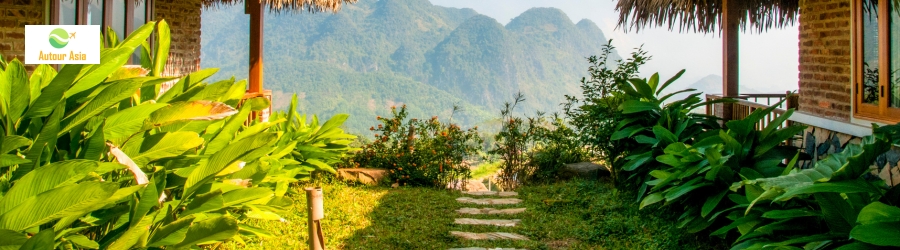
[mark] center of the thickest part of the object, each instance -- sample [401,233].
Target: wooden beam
[730,56]
[255,9]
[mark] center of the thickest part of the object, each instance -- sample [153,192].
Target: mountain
[376,54]
[712,84]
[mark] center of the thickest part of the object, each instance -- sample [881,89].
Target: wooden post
[730,29]
[316,211]
[255,9]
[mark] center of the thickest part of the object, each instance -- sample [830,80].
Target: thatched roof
[703,15]
[289,5]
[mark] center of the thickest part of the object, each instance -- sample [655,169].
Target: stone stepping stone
[488,236]
[499,223]
[485,193]
[469,210]
[505,201]
[482,248]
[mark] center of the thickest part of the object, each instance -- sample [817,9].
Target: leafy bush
[556,146]
[595,116]
[417,152]
[651,124]
[702,173]
[830,205]
[94,157]
[513,143]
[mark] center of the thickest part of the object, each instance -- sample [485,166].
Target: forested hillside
[376,54]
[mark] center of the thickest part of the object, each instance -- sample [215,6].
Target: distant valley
[376,54]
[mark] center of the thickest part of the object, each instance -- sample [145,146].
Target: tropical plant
[830,205]
[653,124]
[702,173]
[419,152]
[94,156]
[596,115]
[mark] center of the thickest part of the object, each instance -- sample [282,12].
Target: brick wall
[183,17]
[14,15]
[825,58]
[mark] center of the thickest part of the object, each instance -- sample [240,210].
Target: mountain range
[373,55]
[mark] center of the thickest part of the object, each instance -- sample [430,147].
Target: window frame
[881,112]
[81,9]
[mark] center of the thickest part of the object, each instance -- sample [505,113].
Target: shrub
[419,152]
[595,116]
[94,157]
[512,145]
[556,145]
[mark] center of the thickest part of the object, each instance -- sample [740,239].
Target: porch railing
[747,103]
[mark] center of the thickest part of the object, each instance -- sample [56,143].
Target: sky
[768,61]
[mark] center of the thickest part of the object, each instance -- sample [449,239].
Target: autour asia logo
[59,38]
[62,44]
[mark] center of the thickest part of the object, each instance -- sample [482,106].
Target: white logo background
[86,43]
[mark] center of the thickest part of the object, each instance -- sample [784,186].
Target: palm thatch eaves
[279,6]
[704,16]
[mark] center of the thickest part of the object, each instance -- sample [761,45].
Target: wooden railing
[747,103]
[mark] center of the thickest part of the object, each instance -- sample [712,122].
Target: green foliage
[841,207]
[651,124]
[376,54]
[556,144]
[93,157]
[703,172]
[596,115]
[419,152]
[513,145]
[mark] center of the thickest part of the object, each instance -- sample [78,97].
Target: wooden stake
[316,211]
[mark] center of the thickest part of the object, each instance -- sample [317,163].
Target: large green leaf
[205,202]
[12,142]
[185,83]
[45,139]
[225,135]
[110,61]
[10,239]
[147,148]
[878,212]
[54,91]
[43,240]
[40,180]
[172,233]
[161,54]
[635,106]
[134,233]
[126,123]
[111,95]
[230,154]
[239,196]
[209,231]
[881,233]
[56,203]
[193,110]
[20,89]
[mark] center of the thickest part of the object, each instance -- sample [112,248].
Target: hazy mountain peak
[541,20]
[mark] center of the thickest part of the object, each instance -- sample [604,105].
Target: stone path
[488,222]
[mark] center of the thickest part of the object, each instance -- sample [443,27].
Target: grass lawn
[567,215]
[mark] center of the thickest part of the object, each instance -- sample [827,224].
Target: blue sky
[768,61]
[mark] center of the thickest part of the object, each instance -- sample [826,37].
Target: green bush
[556,144]
[94,157]
[595,116]
[419,152]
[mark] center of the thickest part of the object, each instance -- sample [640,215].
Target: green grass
[486,169]
[569,215]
